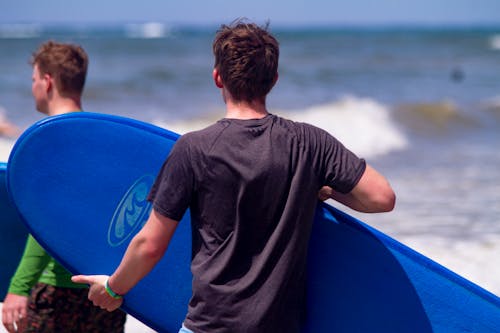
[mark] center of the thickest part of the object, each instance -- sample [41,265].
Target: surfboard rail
[13,234]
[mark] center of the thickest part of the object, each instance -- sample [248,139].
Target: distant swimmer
[457,74]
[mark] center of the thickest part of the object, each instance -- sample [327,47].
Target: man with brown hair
[251,182]
[59,72]
[56,304]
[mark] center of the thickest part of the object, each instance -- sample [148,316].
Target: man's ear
[217,78]
[49,82]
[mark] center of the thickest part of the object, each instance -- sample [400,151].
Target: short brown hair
[66,63]
[246,57]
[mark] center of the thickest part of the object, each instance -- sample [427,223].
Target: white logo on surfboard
[132,211]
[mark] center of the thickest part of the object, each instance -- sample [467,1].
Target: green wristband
[110,291]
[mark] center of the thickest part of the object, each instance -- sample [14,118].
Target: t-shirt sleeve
[172,190]
[339,167]
[31,266]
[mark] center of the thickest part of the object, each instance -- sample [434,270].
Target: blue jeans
[184,329]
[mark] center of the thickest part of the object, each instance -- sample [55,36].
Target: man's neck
[64,105]
[245,110]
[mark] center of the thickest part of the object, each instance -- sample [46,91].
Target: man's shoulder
[201,138]
[298,127]
[210,130]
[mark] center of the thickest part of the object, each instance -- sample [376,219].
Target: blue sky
[303,12]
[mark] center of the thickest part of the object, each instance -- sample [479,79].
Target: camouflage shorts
[65,310]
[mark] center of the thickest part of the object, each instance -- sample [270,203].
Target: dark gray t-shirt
[251,187]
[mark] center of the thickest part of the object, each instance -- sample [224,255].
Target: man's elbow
[386,201]
[148,251]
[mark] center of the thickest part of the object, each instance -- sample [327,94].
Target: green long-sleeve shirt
[35,266]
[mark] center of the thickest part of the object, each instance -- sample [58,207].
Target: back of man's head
[246,57]
[66,63]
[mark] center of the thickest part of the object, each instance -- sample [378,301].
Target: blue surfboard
[80,183]
[13,234]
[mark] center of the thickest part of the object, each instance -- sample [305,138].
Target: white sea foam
[19,30]
[495,42]
[184,126]
[147,30]
[361,124]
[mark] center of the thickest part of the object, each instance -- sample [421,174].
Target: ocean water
[420,104]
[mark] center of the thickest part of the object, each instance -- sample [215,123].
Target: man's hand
[97,292]
[14,312]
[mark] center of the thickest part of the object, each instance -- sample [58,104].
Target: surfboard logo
[131,213]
